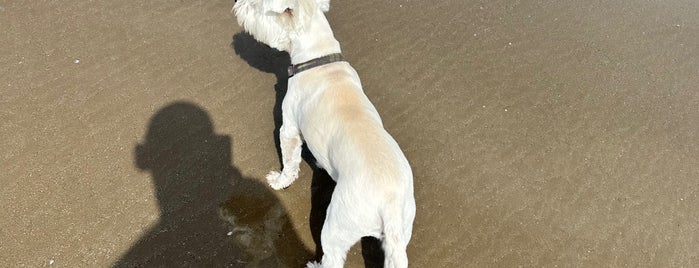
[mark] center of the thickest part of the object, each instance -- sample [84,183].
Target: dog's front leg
[290,143]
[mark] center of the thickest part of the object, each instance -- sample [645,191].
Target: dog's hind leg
[337,237]
[395,251]
[395,238]
[290,143]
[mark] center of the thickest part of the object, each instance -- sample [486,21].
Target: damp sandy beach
[540,133]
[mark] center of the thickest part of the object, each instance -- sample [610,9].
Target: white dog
[325,103]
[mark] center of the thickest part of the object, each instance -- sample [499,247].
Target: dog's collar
[294,69]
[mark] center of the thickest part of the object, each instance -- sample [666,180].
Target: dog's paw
[278,180]
[313,264]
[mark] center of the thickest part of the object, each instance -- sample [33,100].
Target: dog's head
[273,21]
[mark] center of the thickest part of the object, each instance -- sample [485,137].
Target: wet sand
[555,133]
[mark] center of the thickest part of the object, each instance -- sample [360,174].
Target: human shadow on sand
[270,60]
[210,215]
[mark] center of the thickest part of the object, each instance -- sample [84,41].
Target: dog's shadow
[270,60]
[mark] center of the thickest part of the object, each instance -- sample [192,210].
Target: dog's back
[374,192]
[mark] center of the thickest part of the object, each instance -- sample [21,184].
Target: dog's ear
[324,5]
[279,6]
[294,12]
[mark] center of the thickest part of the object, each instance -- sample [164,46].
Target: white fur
[343,130]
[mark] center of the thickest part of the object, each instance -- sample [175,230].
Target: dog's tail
[397,229]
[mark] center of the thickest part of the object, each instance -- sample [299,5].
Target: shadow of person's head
[211,216]
[190,164]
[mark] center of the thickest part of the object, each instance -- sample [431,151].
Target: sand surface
[541,133]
